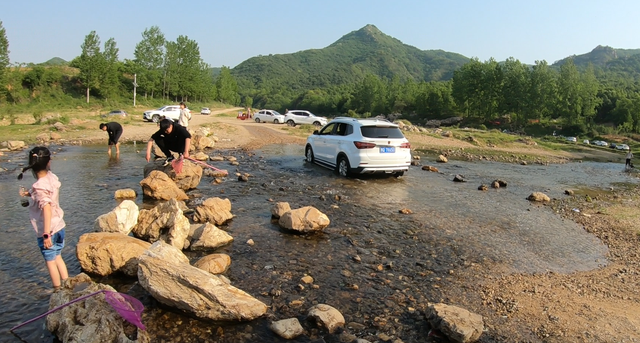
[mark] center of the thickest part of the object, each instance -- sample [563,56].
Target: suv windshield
[381,132]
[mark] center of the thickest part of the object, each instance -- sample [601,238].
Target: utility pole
[135,85]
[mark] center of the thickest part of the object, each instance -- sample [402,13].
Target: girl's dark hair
[39,158]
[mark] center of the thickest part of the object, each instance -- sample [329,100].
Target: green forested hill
[348,60]
[56,61]
[600,56]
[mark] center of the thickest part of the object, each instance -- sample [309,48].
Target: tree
[4,54]
[227,88]
[569,103]
[90,62]
[110,79]
[542,93]
[149,59]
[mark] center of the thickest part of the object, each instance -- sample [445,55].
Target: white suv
[360,146]
[170,112]
[297,117]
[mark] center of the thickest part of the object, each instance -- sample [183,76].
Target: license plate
[388,150]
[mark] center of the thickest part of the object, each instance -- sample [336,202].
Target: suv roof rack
[356,119]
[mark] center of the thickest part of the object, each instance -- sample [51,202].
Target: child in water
[45,213]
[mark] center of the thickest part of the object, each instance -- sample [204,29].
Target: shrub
[482,127]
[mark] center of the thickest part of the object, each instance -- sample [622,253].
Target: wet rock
[495,184]
[121,219]
[327,317]
[569,192]
[230,158]
[442,159]
[16,145]
[167,253]
[243,178]
[405,211]
[483,187]
[415,163]
[208,236]
[501,183]
[126,193]
[538,196]
[159,186]
[305,219]
[279,209]
[250,242]
[105,253]
[191,289]
[165,222]
[306,279]
[287,328]
[200,156]
[214,263]
[416,157]
[188,179]
[431,169]
[459,178]
[201,142]
[216,158]
[91,320]
[213,210]
[458,324]
[523,163]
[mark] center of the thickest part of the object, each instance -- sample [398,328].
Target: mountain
[56,61]
[348,60]
[600,56]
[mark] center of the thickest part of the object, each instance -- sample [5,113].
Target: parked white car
[622,147]
[600,143]
[298,117]
[360,146]
[268,116]
[572,139]
[205,111]
[170,112]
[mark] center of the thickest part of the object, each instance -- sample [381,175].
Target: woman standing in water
[45,213]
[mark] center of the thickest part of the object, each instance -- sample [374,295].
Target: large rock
[188,179]
[91,320]
[104,253]
[214,263]
[126,193]
[167,253]
[196,291]
[458,324]
[213,210]
[164,222]
[121,219]
[287,328]
[200,142]
[200,156]
[327,317]
[207,236]
[279,209]
[305,219]
[159,186]
[16,145]
[442,159]
[538,196]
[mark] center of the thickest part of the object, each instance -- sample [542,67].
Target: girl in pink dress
[45,213]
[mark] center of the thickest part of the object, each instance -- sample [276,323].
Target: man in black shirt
[170,137]
[115,131]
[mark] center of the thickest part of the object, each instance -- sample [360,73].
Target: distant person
[171,137]
[45,213]
[628,163]
[115,131]
[185,115]
[249,114]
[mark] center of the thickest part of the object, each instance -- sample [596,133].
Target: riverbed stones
[91,320]
[500,183]
[208,237]
[121,219]
[214,263]
[164,222]
[193,290]
[430,169]
[16,145]
[569,192]
[55,136]
[483,187]
[213,210]
[279,209]
[188,179]
[200,156]
[159,186]
[126,193]
[327,316]
[442,159]
[287,328]
[458,324]
[538,197]
[104,253]
[305,219]
[459,178]
[201,142]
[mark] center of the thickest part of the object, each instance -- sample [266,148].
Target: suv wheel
[398,174]
[290,122]
[257,120]
[275,121]
[155,118]
[309,154]
[343,168]
[317,124]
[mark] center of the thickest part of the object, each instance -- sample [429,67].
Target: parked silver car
[268,116]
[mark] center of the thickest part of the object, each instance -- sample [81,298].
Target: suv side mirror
[315,132]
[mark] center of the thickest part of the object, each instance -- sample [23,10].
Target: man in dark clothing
[170,137]
[115,131]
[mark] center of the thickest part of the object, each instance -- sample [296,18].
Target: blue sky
[229,32]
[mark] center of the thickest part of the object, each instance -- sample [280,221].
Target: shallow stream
[372,263]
